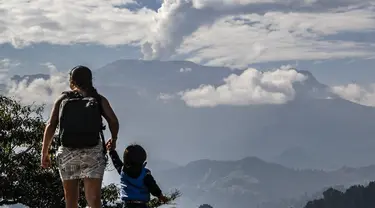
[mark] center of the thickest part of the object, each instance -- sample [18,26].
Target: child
[136,180]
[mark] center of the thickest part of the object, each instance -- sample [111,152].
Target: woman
[87,163]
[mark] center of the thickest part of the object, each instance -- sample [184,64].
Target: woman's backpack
[80,121]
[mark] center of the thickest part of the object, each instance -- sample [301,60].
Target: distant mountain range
[315,130]
[252,182]
[29,78]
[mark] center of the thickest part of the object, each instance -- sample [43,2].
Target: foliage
[355,197]
[112,202]
[22,180]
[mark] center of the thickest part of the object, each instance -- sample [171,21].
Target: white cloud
[220,4]
[51,67]
[69,21]
[5,66]
[7,63]
[364,95]
[177,20]
[203,30]
[3,69]
[39,91]
[249,88]
[166,97]
[185,70]
[237,41]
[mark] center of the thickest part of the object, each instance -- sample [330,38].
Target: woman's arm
[51,126]
[111,118]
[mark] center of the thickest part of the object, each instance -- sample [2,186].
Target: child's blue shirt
[135,186]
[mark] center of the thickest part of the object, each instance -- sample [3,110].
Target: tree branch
[7,202]
[25,151]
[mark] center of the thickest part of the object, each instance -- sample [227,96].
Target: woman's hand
[108,145]
[45,161]
[111,144]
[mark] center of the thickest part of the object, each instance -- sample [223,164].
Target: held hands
[111,144]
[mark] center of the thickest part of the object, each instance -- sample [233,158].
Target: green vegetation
[355,197]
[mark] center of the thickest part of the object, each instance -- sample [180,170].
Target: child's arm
[116,160]
[152,186]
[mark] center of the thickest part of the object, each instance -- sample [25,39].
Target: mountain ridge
[254,182]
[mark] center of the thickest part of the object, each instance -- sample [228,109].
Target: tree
[22,181]
[354,197]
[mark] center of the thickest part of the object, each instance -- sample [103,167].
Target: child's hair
[134,156]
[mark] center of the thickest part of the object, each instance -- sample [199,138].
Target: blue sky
[333,39]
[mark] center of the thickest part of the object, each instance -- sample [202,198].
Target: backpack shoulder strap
[99,100]
[71,94]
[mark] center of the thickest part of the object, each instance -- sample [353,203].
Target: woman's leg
[93,164]
[67,161]
[93,192]
[71,193]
